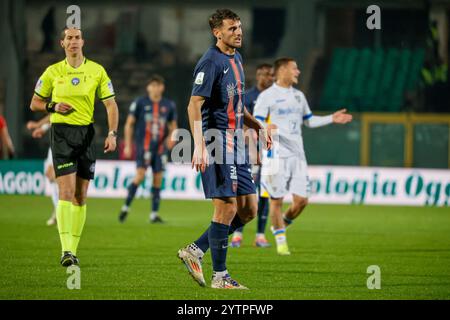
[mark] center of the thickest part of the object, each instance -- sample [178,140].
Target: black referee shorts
[73,150]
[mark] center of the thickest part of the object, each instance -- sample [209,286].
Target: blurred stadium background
[394,80]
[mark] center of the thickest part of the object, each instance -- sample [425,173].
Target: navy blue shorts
[157,161]
[227,180]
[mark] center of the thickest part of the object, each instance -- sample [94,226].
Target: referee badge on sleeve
[39,84]
[110,87]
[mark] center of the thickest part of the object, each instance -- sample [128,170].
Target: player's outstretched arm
[200,156]
[113,122]
[342,117]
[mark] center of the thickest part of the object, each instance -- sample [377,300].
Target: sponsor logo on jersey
[287,111]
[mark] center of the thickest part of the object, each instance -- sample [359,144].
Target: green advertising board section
[334,144]
[22,177]
[387,145]
[431,143]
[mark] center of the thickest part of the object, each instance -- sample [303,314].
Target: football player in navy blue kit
[152,119]
[217,104]
[264,79]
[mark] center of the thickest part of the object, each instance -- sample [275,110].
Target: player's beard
[232,45]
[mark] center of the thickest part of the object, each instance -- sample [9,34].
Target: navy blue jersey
[152,119]
[250,98]
[219,78]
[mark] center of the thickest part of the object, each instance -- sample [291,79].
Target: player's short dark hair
[263,66]
[155,78]
[63,32]
[281,62]
[216,19]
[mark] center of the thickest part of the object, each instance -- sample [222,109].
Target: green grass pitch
[331,245]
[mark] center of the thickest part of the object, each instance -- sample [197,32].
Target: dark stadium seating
[373,80]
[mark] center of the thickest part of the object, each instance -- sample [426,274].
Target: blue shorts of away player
[157,161]
[227,180]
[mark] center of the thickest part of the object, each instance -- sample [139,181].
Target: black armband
[50,107]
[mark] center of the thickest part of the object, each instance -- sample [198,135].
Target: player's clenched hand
[268,133]
[63,108]
[200,157]
[342,117]
[110,144]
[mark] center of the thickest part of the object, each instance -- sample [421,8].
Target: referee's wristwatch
[113,133]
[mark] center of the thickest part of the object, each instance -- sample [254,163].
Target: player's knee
[139,178]
[248,213]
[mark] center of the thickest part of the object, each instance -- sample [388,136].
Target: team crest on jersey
[92,168]
[163,109]
[233,89]
[297,97]
[75,81]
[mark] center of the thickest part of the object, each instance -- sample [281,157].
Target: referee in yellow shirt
[67,91]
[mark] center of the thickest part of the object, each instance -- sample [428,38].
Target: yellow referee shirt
[76,87]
